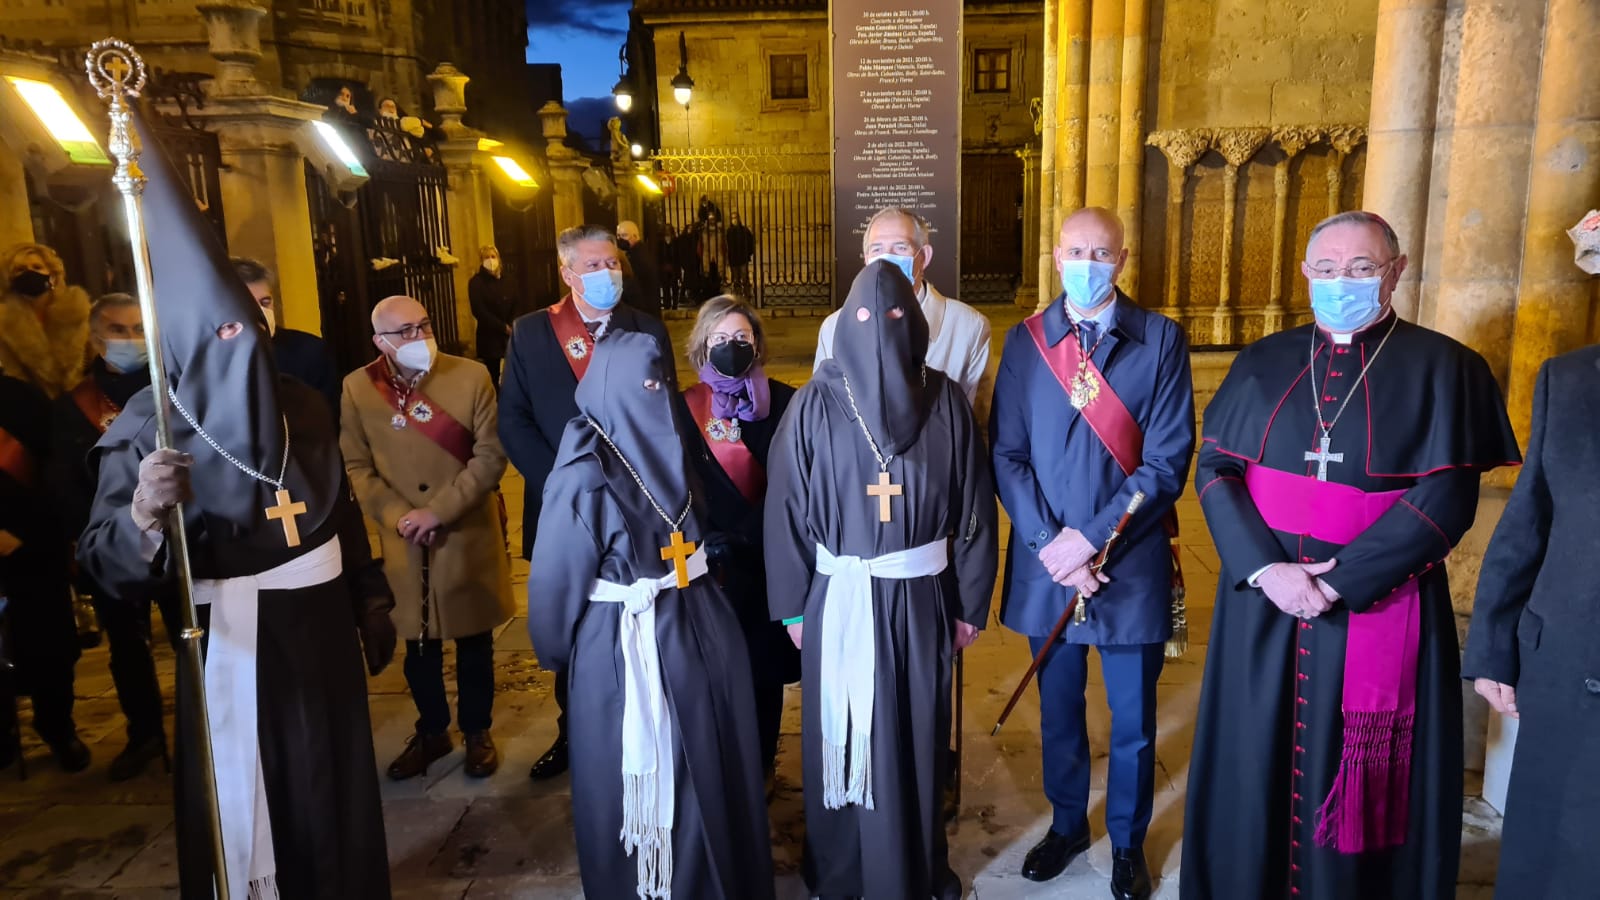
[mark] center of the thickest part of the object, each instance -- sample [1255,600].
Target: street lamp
[623,92]
[682,84]
[43,129]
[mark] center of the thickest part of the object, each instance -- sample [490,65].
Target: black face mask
[624,244]
[734,358]
[30,283]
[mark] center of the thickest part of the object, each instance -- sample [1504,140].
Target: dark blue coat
[1053,472]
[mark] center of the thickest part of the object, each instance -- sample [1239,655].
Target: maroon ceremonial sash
[572,335]
[1368,807]
[731,452]
[1108,418]
[429,419]
[15,460]
[94,404]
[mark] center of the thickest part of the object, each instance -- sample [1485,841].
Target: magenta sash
[1368,805]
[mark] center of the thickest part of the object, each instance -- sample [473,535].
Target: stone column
[16,223]
[1130,158]
[1342,141]
[1400,130]
[1486,189]
[1182,150]
[630,204]
[1236,145]
[566,167]
[1028,293]
[1293,141]
[1049,221]
[1555,296]
[471,211]
[233,33]
[1103,131]
[1072,106]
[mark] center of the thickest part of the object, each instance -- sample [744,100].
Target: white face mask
[492,266]
[417,355]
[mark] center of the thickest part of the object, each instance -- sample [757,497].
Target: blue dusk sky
[584,39]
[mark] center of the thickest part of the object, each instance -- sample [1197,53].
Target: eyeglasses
[718,338]
[1361,268]
[411,332]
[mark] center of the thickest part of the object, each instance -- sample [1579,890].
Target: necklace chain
[1316,392]
[282,470]
[689,504]
[883,462]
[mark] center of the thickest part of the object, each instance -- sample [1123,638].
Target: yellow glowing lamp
[487,144]
[60,120]
[648,183]
[514,171]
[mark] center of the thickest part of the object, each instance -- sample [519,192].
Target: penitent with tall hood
[624,601]
[881,557]
[284,579]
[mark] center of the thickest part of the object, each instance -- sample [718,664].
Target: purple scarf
[747,397]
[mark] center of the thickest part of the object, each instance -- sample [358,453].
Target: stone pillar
[1130,157]
[1342,141]
[630,203]
[1236,145]
[1103,132]
[449,98]
[16,223]
[566,167]
[1072,106]
[1486,189]
[263,178]
[1405,79]
[1049,221]
[1555,296]
[1293,141]
[1182,150]
[471,210]
[1028,292]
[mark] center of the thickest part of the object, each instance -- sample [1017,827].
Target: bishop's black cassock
[1279,726]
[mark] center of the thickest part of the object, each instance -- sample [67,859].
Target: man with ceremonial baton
[419,441]
[1093,405]
[244,487]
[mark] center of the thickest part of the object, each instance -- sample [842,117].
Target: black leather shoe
[138,754]
[1050,856]
[70,753]
[1130,877]
[552,763]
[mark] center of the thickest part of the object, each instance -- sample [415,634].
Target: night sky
[584,40]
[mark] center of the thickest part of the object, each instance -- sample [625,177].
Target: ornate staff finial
[117,73]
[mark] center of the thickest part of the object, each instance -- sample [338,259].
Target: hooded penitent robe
[322,835]
[818,471]
[598,525]
[1287,792]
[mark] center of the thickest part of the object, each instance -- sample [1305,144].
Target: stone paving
[64,836]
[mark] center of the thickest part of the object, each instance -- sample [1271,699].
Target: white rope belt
[849,662]
[231,708]
[648,780]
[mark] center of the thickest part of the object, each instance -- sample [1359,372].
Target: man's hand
[418,527]
[1067,552]
[965,635]
[163,484]
[377,640]
[796,631]
[1503,697]
[1086,581]
[1297,589]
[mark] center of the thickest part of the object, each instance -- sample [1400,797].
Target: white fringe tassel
[838,791]
[264,888]
[651,843]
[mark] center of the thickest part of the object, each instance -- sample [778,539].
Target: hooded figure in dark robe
[662,718]
[283,578]
[881,556]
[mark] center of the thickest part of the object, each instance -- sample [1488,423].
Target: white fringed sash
[849,662]
[230,679]
[648,780]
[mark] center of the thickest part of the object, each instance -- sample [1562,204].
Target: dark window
[991,71]
[789,76]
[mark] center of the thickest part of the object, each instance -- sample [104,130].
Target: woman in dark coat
[1533,649]
[736,409]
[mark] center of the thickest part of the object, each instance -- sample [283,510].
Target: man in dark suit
[548,355]
[299,354]
[643,291]
[1082,386]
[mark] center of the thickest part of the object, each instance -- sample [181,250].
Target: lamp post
[683,85]
[623,91]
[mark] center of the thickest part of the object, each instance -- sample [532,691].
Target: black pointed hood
[229,387]
[880,346]
[639,420]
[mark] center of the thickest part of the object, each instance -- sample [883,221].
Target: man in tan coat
[418,432]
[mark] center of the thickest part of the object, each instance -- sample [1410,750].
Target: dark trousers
[561,705]
[44,640]
[1130,673]
[126,625]
[424,667]
[493,364]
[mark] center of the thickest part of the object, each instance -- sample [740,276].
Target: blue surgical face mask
[1087,282]
[903,263]
[1346,304]
[602,289]
[126,355]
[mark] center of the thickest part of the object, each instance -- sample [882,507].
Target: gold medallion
[1085,388]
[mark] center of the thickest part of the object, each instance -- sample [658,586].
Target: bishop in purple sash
[1339,465]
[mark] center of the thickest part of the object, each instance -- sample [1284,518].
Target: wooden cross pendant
[883,490]
[678,552]
[286,511]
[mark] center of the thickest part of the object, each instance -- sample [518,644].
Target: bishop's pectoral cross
[678,552]
[883,490]
[1322,457]
[286,511]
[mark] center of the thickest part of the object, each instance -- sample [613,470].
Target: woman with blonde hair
[44,322]
[736,409]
